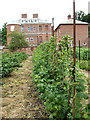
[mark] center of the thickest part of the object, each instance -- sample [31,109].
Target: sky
[11,10]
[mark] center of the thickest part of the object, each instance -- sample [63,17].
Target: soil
[20,98]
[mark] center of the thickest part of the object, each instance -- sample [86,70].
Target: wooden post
[74,52]
[53,27]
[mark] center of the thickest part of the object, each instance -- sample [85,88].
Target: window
[32,39]
[34,28]
[31,28]
[27,39]
[12,28]
[40,28]
[28,28]
[40,39]
[22,28]
[85,43]
[46,27]
[35,20]
[46,38]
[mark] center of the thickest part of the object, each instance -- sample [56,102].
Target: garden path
[19,96]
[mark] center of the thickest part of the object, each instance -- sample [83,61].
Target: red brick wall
[81,32]
[45,33]
[28,51]
[17,28]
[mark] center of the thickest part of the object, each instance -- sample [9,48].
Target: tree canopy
[86,18]
[0,37]
[79,15]
[17,41]
[4,34]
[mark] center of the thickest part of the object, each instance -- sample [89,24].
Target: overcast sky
[11,10]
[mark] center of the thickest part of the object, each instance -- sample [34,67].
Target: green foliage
[79,15]
[0,37]
[11,61]
[84,58]
[89,30]
[4,34]
[17,41]
[84,65]
[84,53]
[52,73]
[86,18]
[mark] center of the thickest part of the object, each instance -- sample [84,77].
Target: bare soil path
[19,96]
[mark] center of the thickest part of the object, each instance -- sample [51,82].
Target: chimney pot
[24,15]
[69,16]
[35,15]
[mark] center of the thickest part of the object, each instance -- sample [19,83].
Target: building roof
[33,21]
[29,21]
[70,22]
[14,23]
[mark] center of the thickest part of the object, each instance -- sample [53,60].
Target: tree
[17,41]
[88,30]
[79,15]
[86,18]
[4,34]
[0,36]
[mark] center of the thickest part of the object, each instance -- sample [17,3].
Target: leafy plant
[11,61]
[52,74]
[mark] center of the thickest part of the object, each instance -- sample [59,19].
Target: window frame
[27,40]
[12,28]
[31,39]
[22,28]
[31,27]
[40,27]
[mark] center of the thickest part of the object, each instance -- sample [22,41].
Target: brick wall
[17,28]
[81,32]
[28,50]
[39,31]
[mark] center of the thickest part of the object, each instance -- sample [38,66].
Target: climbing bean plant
[52,74]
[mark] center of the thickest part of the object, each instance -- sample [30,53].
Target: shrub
[17,41]
[83,53]
[11,61]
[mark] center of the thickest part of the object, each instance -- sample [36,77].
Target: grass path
[19,96]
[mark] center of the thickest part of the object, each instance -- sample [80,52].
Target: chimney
[35,15]
[69,16]
[24,16]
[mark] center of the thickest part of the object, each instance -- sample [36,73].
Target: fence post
[74,53]
[53,27]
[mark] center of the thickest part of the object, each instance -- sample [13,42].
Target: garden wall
[28,50]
